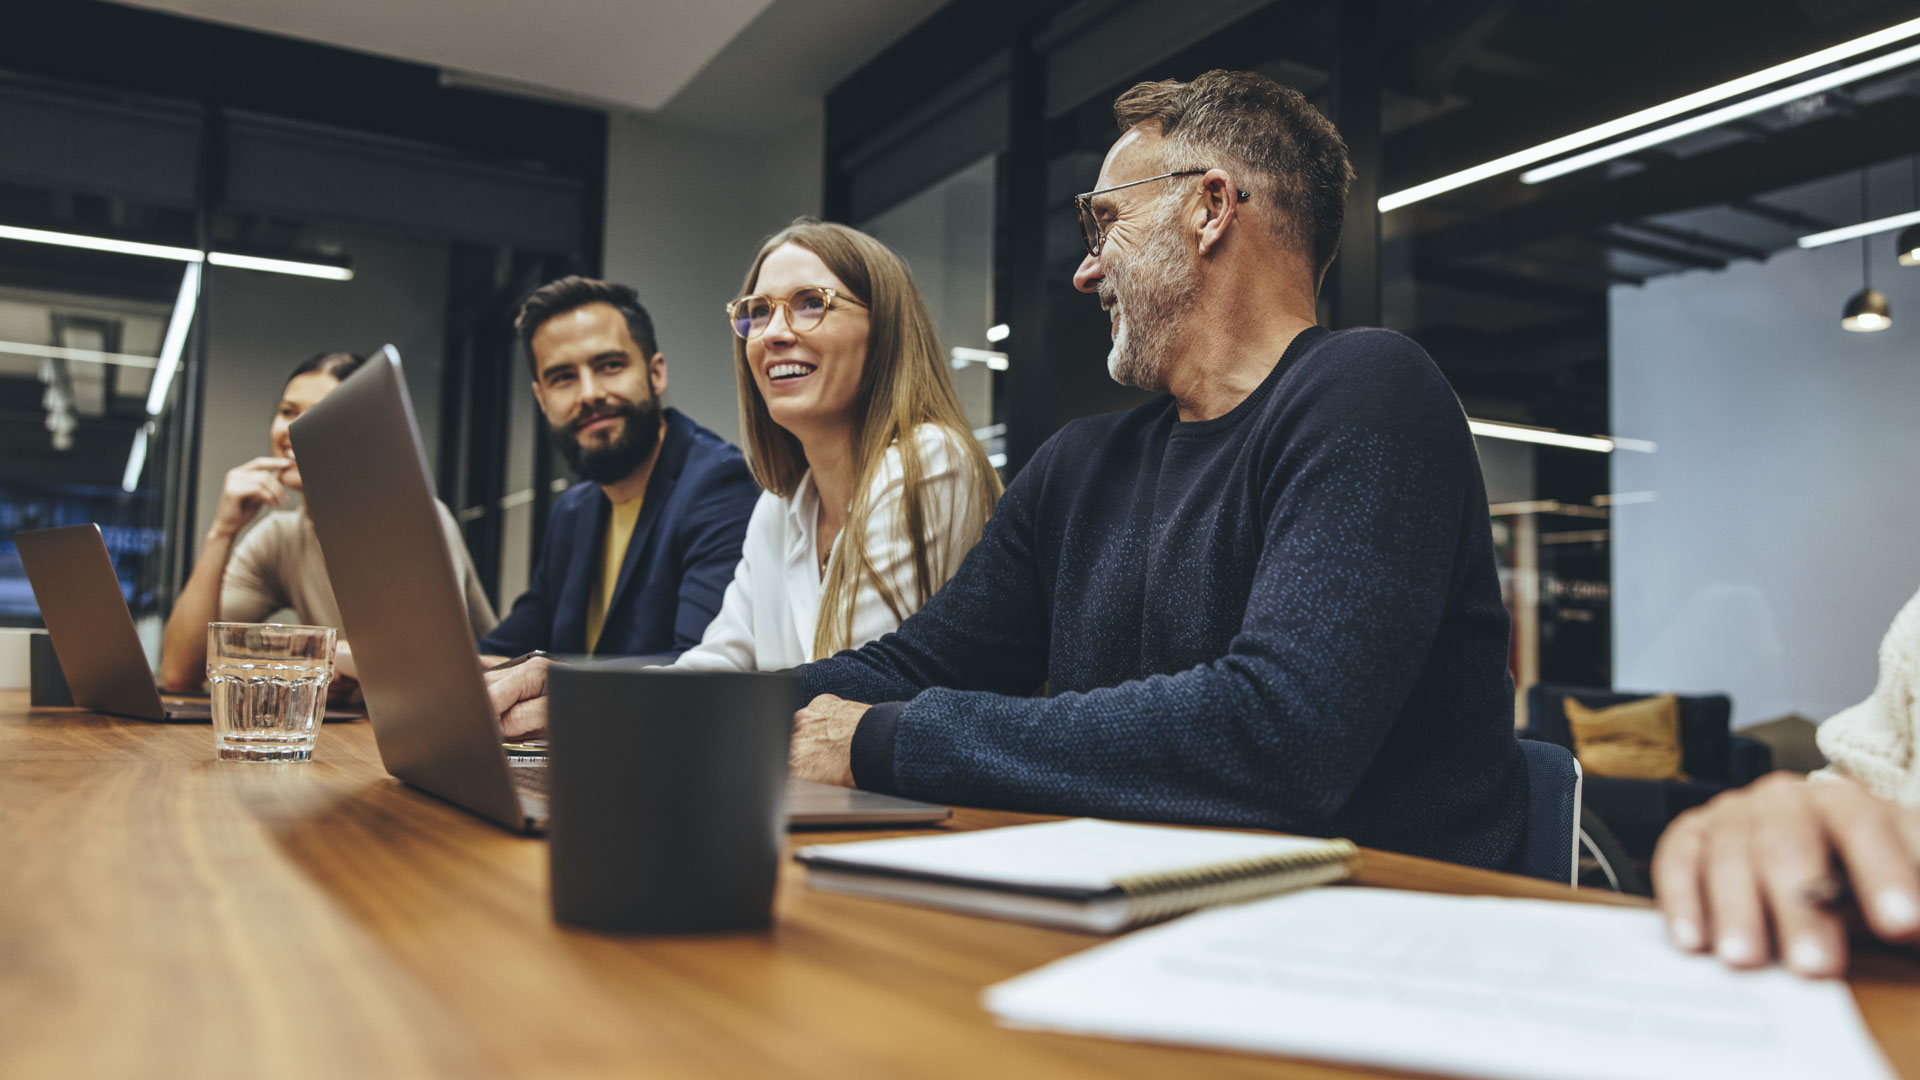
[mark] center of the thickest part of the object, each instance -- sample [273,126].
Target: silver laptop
[92,630]
[365,473]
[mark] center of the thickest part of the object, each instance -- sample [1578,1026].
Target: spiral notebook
[1099,876]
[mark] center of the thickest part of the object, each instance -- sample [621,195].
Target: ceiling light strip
[136,460]
[325,271]
[281,266]
[1543,436]
[81,356]
[1865,228]
[1717,117]
[99,243]
[176,340]
[1655,114]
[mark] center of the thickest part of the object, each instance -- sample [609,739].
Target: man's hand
[1752,873]
[822,746]
[519,696]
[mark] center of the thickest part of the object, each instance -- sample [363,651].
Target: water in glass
[269,687]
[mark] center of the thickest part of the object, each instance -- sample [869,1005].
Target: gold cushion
[1639,740]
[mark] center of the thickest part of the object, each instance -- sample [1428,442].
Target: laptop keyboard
[529,775]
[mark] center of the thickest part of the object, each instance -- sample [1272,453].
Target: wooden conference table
[166,914]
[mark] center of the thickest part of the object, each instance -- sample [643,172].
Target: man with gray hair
[1266,598]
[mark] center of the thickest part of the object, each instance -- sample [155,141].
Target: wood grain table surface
[163,913]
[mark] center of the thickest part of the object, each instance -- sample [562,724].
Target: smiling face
[1144,275]
[808,379]
[600,394]
[303,392]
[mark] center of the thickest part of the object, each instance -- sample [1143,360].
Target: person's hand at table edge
[1762,870]
[822,747]
[519,697]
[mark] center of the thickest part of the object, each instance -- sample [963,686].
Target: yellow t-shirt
[613,552]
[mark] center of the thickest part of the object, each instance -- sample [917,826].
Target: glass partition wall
[945,234]
[165,265]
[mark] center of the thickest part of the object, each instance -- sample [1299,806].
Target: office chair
[1551,847]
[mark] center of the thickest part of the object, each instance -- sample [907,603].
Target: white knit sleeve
[1874,741]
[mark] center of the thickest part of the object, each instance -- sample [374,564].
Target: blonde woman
[875,486]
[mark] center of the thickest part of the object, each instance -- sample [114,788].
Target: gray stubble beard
[1155,285]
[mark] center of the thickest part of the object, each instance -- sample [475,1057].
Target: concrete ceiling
[743,65]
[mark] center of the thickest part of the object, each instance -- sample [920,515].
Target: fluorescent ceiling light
[136,459]
[997,334]
[1625,498]
[83,356]
[962,356]
[281,266]
[99,243]
[1713,119]
[327,271]
[176,339]
[1865,228]
[1544,436]
[1634,121]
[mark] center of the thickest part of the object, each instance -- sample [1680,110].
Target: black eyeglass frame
[833,296]
[1090,228]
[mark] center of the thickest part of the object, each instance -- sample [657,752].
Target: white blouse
[767,618]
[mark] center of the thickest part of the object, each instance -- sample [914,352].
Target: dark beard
[615,461]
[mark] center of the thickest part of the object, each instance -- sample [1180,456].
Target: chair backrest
[1551,847]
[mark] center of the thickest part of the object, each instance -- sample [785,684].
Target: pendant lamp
[1907,247]
[1867,310]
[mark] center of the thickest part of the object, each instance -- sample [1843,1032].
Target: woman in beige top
[277,564]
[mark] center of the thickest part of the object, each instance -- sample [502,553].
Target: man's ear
[657,372]
[1220,198]
[540,395]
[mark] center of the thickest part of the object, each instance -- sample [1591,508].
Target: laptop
[92,630]
[364,470]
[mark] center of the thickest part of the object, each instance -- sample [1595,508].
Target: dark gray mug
[667,796]
[46,681]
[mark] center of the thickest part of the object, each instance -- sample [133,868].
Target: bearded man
[636,562]
[1267,598]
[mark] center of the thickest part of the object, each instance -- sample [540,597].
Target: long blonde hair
[903,385]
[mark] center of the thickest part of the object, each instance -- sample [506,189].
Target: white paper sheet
[1467,986]
[1082,853]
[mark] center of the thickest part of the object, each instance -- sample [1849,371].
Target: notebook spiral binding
[1153,898]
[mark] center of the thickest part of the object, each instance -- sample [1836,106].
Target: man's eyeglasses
[750,315]
[1090,227]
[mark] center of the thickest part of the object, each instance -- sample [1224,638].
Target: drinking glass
[269,686]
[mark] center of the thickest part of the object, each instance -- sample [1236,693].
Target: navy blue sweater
[1286,617]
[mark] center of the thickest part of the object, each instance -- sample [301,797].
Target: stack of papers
[1467,986]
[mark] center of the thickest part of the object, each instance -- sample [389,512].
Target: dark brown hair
[1291,154]
[337,364]
[573,292]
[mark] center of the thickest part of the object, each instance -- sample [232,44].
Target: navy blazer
[679,562]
